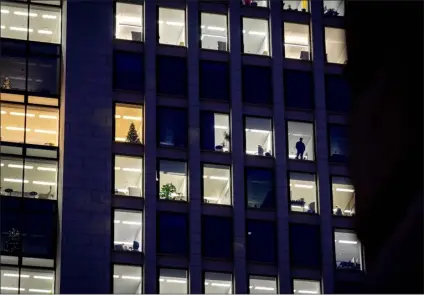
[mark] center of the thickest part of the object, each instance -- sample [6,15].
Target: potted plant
[227,138]
[168,192]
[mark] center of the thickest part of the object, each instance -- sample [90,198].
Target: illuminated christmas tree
[132,136]
[6,84]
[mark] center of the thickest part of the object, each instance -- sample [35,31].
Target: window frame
[324,36]
[246,198]
[220,272]
[317,201]
[158,126]
[142,129]
[275,262]
[226,62]
[112,282]
[114,155]
[115,9]
[310,42]
[142,226]
[361,251]
[202,132]
[313,134]
[275,277]
[271,104]
[158,160]
[245,137]
[158,7]
[202,185]
[158,268]
[329,125]
[297,278]
[187,217]
[269,56]
[227,51]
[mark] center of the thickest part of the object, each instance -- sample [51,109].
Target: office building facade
[175,146]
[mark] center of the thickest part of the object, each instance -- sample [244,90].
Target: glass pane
[39,234]
[339,143]
[215,132]
[261,241]
[305,253]
[44,23]
[167,81]
[172,124]
[257,84]
[255,36]
[306,287]
[347,251]
[128,231]
[218,283]
[303,193]
[217,237]
[334,7]
[12,120]
[129,22]
[214,31]
[40,179]
[172,281]
[37,281]
[129,71]
[129,123]
[296,41]
[214,80]
[172,26]
[128,176]
[217,184]
[259,136]
[338,93]
[343,196]
[42,126]
[127,279]
[260,188]
[335,45]
[172,235]
[301,141]
[14,20]
[43,75]
[262,285]
[255,3]
[296,5]
[173,180]
[12,176]
[10,280]
[298,89]
[12,72]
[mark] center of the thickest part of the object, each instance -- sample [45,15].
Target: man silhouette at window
[300,148]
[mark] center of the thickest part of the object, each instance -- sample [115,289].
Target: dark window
[338,94]
[172,234]
[172,125]
[171,75]
[260,188]
[214,80]
[129,71]
[13,69]
[43,75]
[298,89]
[339,144]
[217,236]
[261,243]
[305,246]
[348,287]
[257,84]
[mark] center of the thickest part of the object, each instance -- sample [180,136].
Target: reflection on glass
[128,123]
[127,279]
[213,31]
[296,5]
[334,7]
[172,180]
[262,285]
[303,193]
[259,136]
[343,196]
[216,184]
[128,231]
[261,241]
[306,287]
[347,250]
[128,176]
[129,22]
[335,45]
[215,132]
[260,188]
[255,36]
[28,281]
[172,281]
[218,283]
[296,41]
[172,124]
[301,141]
[171,26]
[339,143]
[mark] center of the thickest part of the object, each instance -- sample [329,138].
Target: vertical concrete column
[195,267]
[280,152]
[150,271]
[237,148]
[85,182]
[323,180]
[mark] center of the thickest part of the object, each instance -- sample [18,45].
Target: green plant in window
[227,138]
[168,192]
[132,136]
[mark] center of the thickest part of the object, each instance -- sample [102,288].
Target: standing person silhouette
[300,148]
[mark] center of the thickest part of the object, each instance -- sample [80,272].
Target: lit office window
[12,123]
[43,24]
[296,41]
[217,184]
[335,45]
[215,132]
[173,281]
[218,283]
[339,143]
[306,255]
[29,281]
[303,193]
[334,7]
[298,89]
[262,285]
[301,141]
[171,26]
[338,94]
[261,241]
[172,124]
[214,80]
[172,233]
[217,237]
[129,22]
[296,5]
[128,71]
[255,36]
[348,250]
[39,178]
[260,188]
[259,136]
[257,84]
[172,180]
[343,196]
[167,81]
[214,31]
[306,287]
[127,279]
[129,123]
[128,176]
[255,3]
[127,231]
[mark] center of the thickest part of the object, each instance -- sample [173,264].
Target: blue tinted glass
[261,241]
[338,94]
[339,144]
[298,89]
[171,75]
[348,287]
[14,70]
[43,75]
[172,124]
[10,231]
[305,246]
[260,188]
[13,47]
[129,71]
[40,233]
[214,80]
[44,48]
[208,131]
[217,235]
[172,235]
[257,84]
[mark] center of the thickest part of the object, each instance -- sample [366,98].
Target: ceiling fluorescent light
[45,32]
[131,169]
[49,16]
[220,127]
[295,45]
[117,168]
[212,28]
[220,284]
[176,281]
[45,131]
[131,222]
[15,180]
[175,24]
[40,291]
[213,36]
[3,27]
[15,275]
[258,131]
[47,117]
[31,14]
[117,116]
[129,19]
[21,29]
[5,11]
[3,112]
[16,128]
[130,278]
[120,139]
[256,33]
[116,221]
[348,242]
[211,198]
[43,277]
[218,178]
[125,243]
[1,164]
[160,21]
[21,114]
[346,190]
[115,276]
[46,169]
[132,118]
[307,292]
[19,166]
[11,288]
[264,288]
[43,183]
[303,186]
